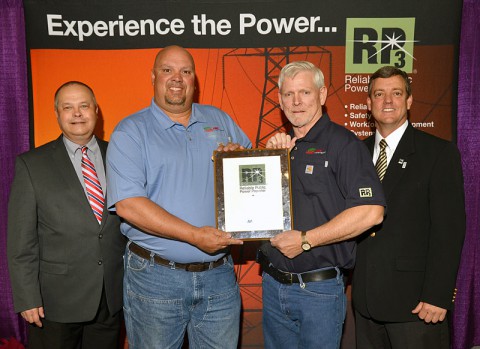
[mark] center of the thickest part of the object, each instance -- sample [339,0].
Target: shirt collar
[313,134]
[72,147]
[393,138]
[166,122]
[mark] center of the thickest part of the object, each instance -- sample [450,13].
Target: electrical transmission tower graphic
[270,119]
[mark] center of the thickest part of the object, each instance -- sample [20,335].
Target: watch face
[306,246]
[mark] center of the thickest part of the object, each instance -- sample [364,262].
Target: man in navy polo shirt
[336,196]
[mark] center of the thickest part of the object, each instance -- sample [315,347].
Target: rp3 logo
[372,43]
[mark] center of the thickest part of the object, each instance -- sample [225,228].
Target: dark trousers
[371,334]
[103,332]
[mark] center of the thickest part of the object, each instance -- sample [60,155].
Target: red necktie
[93,186]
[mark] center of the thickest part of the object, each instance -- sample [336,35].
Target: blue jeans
[161,303]
[310,317]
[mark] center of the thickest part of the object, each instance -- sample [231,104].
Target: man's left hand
[430,313]
[289,243]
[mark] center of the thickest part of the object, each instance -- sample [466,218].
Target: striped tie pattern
[93,186]
[381,165]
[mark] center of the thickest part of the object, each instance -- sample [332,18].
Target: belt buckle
[288,277]
[194,267]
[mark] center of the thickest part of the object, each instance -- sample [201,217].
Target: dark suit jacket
[415,252]
[59,257]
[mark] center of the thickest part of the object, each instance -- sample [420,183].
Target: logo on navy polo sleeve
[365,192]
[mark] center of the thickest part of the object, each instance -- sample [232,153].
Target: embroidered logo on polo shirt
[211,129]
[365,192]
[216,134]
[311,151]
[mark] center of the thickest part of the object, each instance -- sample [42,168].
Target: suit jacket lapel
[65,169]
[370,143]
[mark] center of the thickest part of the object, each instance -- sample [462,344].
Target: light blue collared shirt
[151,156]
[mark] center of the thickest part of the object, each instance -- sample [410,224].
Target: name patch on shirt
[365,192]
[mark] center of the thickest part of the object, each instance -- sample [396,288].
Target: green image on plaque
[249,205]
[252,175]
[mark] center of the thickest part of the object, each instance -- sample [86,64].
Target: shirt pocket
[216,135]
[313,175]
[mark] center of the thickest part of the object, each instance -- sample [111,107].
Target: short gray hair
[292,69]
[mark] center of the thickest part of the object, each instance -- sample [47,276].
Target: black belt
[193,267]
[293,278]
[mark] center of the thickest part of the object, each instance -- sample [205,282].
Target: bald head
[169,49]
[173,79]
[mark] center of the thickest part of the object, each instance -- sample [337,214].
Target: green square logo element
[252,175]
[372,43]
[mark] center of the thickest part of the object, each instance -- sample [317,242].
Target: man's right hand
[211,240]
[34,315]
[281,140]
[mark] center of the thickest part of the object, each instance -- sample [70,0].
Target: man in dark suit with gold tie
[64,248]
[405,273]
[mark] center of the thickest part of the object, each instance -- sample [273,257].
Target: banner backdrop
[239,48]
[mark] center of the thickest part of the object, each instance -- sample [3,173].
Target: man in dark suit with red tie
[65,250]
[405,273]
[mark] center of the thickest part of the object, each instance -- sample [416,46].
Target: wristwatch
[305,244]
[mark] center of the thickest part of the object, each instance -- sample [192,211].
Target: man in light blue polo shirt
[178,274]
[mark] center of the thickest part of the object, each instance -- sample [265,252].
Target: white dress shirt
[392,142]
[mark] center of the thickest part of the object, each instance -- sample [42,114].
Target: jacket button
[100,262]
[100,236]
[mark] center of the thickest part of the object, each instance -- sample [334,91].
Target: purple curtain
[14,139]
[466,316]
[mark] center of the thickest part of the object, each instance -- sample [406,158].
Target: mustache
[176,84]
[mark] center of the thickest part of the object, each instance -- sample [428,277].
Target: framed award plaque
[252,192]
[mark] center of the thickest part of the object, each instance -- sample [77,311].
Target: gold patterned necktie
[381,165]
[93,186]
